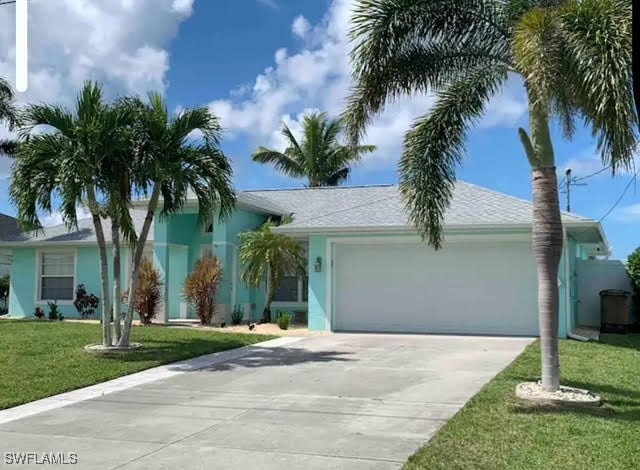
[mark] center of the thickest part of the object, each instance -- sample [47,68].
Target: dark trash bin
[615,308]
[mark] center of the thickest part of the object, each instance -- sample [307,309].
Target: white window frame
[298,303]
[38,290]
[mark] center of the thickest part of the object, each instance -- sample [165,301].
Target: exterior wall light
[318,264]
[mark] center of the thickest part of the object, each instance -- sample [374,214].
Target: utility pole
[570,181]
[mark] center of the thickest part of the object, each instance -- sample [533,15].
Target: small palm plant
[201,286]
[267,257]
[318,156]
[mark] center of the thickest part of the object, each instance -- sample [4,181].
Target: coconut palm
[8,115]
[168,163]
[319,156]
[574,59]
[69,160]
[268,256]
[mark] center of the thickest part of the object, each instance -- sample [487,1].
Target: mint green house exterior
[367,268]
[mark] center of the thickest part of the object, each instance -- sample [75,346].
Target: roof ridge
[318,188]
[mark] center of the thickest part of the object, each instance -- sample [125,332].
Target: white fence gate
[592,277]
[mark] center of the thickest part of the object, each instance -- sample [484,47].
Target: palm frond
[282,162]
[402,47]
[435,146]
[598,39]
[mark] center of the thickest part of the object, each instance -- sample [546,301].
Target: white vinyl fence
[594,276]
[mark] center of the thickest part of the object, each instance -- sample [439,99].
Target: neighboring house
[8,230]
[367,268]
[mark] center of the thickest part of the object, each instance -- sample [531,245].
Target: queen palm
[167,164]
[574,60]
[68,162]
[268,257]
[318,155]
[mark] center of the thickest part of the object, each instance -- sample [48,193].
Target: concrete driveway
[340,401]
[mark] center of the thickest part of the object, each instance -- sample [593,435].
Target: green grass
[496,431]
[40,359]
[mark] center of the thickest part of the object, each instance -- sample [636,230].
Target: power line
[592,174]
[619,200]
[7,2]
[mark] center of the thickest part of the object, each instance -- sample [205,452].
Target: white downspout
[567,279]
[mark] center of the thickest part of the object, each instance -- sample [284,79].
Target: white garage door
[469,288]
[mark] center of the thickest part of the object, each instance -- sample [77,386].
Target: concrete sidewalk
[339,401]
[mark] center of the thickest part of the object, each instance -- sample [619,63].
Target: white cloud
[270,3]
[120,43]
[628,214]
[55,218]
[319,76]
[588,163]
[300,26]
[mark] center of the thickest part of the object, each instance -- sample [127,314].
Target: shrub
[237,315]
[633,269]
[284,319]
[86,304]
[201,286]
[54,311]
[39,313]
[149,293]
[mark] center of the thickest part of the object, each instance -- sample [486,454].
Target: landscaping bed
[497,431]
[40,359]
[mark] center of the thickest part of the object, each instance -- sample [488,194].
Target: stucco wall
[24,287]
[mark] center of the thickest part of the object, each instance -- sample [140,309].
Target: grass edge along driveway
[40,359]
[496,431]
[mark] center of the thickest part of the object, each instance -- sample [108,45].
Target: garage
[468,287]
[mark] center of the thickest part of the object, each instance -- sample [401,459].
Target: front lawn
[40,359]
[495,431]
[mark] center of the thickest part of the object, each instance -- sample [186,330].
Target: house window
[292,289]
[57,270]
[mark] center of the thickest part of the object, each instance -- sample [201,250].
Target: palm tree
[574,57]
[167,163]
[269,256]
[636,57]
[319,156]
[69,160]
[9,115]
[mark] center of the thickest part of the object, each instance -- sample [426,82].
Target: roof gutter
[292,229]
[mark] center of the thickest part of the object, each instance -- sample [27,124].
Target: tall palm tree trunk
[137,259]
[547,238]
[117,280]
[104,266]
[547,247]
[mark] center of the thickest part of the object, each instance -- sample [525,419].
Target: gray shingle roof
[382,206]
[85,232]
[8,228]
[320,209]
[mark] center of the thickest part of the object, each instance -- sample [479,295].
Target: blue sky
[258,63]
